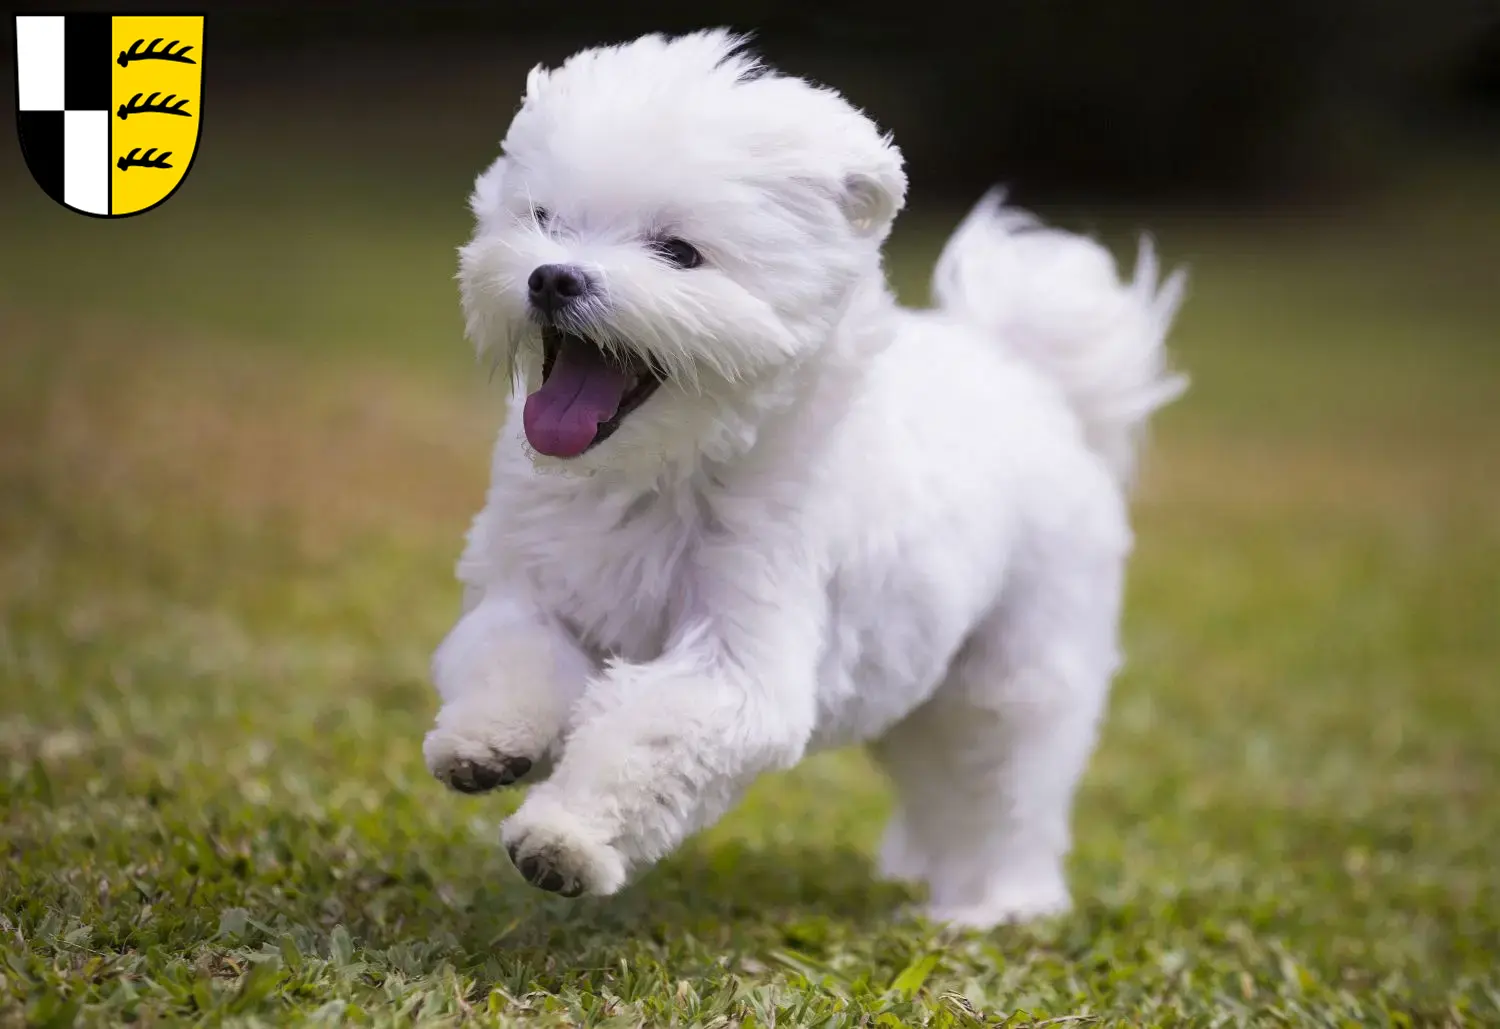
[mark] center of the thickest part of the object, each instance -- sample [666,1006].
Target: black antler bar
[134,106]
[150,159]
[151,53]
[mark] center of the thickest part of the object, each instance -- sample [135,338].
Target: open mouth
[585,394]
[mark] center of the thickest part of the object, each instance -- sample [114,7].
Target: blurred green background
[241,437]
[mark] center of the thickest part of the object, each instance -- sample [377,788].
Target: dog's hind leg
[986,770]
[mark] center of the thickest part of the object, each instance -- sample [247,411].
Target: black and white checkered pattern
[63,84]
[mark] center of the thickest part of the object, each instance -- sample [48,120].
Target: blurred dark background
[1181,102]
[1325,162]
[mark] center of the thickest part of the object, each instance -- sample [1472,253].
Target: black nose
[554,286]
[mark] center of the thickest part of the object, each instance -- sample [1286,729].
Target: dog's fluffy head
[709,219]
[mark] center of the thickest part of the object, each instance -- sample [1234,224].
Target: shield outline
[198,122]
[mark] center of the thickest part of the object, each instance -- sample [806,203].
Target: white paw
[558,852]
[1006,903]
[480,743]
[507,685]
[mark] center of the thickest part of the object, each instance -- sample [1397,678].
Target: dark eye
[679,252]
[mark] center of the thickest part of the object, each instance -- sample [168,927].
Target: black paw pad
[469,777]
[513,768]
[473,777]
[543,876]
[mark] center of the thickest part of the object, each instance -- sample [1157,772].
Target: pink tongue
[562,418]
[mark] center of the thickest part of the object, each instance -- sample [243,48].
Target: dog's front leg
[662,749]
[507,675]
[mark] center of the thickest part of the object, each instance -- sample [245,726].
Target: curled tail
[1054,298]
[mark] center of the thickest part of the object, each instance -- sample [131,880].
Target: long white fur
[1055,299]
[839,522]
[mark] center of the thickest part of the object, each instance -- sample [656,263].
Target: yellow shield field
[157,99]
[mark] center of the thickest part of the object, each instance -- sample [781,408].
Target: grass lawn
[238,450]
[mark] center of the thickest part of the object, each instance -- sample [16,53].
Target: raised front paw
[478,745]
[560,853]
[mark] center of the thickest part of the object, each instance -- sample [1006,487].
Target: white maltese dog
[750,508]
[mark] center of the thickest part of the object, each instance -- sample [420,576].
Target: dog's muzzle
[585,394]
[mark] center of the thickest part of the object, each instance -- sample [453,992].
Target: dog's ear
[873,194]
